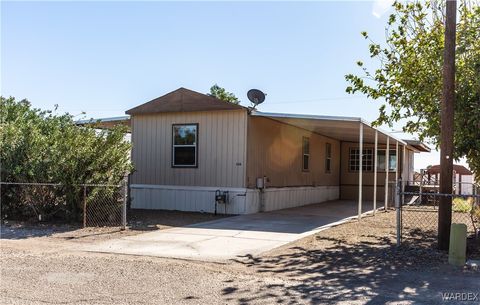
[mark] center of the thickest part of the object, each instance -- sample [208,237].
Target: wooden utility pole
[447,111]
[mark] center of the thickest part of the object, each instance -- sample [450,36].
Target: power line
[318,100]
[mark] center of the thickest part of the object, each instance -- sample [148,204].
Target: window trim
[361,162]
[173,165]
[328,148]
[305,154]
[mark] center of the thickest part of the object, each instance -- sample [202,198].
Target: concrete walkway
[230,237]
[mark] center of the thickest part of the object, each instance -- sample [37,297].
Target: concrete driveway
[230,237]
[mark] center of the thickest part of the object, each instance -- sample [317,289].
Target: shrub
[41,146]
[461,205]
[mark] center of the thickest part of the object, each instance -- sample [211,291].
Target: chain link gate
[417,213]
[105,205]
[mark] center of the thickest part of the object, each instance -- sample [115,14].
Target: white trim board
[187,188]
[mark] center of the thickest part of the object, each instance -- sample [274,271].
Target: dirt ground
[353,263]
[139,221]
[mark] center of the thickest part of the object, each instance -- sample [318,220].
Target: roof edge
[103,120]
[182,91]
[418,145]
[324,118]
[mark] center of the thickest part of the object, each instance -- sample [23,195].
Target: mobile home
[188,147]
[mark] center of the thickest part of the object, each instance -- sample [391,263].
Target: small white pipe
[375,167]
[387,156]
[360,173]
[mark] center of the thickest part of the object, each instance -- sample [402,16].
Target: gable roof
[459,169]
[183,100]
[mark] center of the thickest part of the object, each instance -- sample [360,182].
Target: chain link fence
[105,205]
[92,205]
[417,212]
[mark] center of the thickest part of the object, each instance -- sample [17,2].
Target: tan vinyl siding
[275,150]
[221,145]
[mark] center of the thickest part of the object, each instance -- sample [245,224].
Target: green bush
[461,205]
[44,147]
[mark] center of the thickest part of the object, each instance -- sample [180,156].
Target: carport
[356,130]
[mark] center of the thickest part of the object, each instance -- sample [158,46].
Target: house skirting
[289,197]
[241,200]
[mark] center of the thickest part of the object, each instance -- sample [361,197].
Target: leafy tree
[224,95]
[409,74]
[40,146]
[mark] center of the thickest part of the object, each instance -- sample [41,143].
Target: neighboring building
[462,178]
[187,145]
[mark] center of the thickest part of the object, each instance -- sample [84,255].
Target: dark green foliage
[40,146]
[222,94]
[409,75]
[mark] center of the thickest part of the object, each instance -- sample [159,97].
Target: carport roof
[337,127]
[106,123]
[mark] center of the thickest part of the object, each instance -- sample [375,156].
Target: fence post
[124,208]
[84,206]
[421,186]
[475,193]
[398,208]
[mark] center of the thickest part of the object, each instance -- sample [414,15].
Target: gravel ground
[139,221]
[353,263]
[162,219]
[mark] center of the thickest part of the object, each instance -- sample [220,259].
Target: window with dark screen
[184,150]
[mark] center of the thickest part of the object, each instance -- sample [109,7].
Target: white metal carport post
[387,167]
[360,172]
[396,160]
[375,174]
[404,173]
[396,171]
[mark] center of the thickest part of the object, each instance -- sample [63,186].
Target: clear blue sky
[106,57]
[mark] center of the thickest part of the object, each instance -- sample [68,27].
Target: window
[328,157]
[392,160]
[354,159]
[184,150]
[306,153]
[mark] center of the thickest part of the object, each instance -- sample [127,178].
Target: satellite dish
[256,97]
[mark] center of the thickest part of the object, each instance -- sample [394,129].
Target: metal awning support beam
[404,171]
[397,167]
[375,167]
[360,172]
[387,169]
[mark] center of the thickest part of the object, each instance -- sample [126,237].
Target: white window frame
[305,154]
[328,157]
[185,145]
[391,153]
